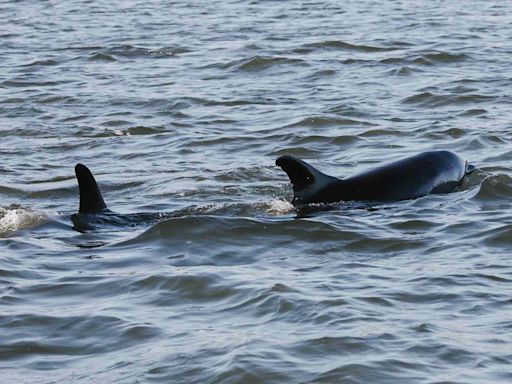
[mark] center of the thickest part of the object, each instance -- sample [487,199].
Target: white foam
[279,207]
[13,218]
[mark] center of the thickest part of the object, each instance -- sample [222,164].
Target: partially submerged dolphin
[93,210]
[409,178]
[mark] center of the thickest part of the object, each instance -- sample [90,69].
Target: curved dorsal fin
[306,180]
[91,200]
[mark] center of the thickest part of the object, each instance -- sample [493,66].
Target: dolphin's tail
[306,180]
[91,200]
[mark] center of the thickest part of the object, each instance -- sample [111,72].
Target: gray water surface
[180,110]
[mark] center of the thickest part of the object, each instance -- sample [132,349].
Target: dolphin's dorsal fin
[306,180]
[91,200]
[469,168]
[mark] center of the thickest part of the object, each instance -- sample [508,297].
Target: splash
[279,207]
[15,217]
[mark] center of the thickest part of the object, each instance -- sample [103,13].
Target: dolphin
[419,175]
[93,211]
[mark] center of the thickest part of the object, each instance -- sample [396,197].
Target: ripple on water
[341,45]
[426,58]
[47,62]
[131,51]
[215,239]
[39,336]
[496,188]
[321,121]
[428,99]
[261,63]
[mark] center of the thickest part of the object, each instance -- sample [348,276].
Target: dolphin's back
[409,178]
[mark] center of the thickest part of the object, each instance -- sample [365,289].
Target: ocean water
[180,110]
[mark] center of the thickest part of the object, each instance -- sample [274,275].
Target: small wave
[473,112]
[25,84]
[404,70]
[80,48]
[341,45]
[298,151]
[321,121]
[306,140]
[499,238]
[131,131]
[120,52]
[429,99]
[13,218]
[208,227]
[500,156]
[260,63]
[380,133]
[426,58]
[57,99]
[30,334]
[495,187]
[455,133]
[241,174]
[188,101]
[187,287]
[101,57]
[134,51]
[48,62]
[328,345]
[321,74]
[441,57]
[12,191]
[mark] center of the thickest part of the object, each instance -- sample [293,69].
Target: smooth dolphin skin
[428,172]
[91,200]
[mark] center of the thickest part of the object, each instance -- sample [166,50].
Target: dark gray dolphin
[409,178]
[93,211]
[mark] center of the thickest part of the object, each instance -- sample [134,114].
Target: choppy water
[180,109]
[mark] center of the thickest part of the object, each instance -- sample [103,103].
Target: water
[180,110]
